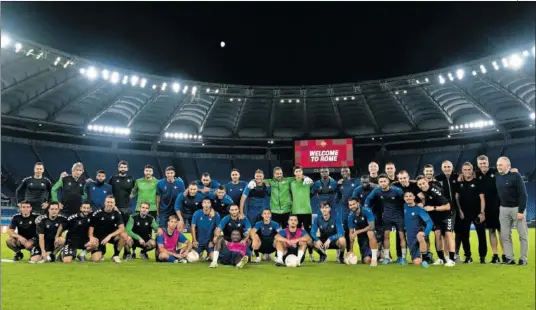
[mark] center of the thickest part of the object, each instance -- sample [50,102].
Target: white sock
[280,256]
[385,253]
[215,256]
[404,253]
[374,254]
[300,255]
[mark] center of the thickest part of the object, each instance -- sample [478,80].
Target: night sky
[293,43]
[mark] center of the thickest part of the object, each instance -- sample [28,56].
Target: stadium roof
[47,90]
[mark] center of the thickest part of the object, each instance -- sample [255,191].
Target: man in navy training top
[255,198]
[233,222]
[361,224]
[233,252]
[414,217]
[438,207]
[291,241]
[513,195]
[235,188]
[97,191]
[186,204]
[221,202]
[263,236]
[331,234]
[170,241]
[347,185]
[206,184]
[168,189]
[204,223]
[360,194]
[324,189]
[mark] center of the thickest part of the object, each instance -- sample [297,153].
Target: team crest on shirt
[174,187]
[332,226]
[30,222]
[112,217]
[240,189]
[472,185]
[146,224]
[31,184]
[48,226]
[492,175]
[69,183]
[102,219]
[79,222]
[393,198]
[93,188]
[138,224]
[56,225]
[42,184]
[20,223]
[117,181]
[461,185]
[80,185]
[105,192]
[127,180]
[412,213]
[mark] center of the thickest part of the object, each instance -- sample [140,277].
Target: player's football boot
[242,262]
[373,262]
[403,261]
[144,256]
[323,258]
[424,264]
[482,260]
[504,259]
[509,262]
[495,259]
[213,265]
[279,263]
[450,263]
[81,258]
[439,262]
[18,256]
[458,259]
[257,259]
[116,259]
[127,257]
[386,261]
[181,261]
[266,257]
[133,255]
[522,262]
[468,260]
[311,258]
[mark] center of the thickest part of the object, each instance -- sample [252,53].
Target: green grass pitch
[148,285]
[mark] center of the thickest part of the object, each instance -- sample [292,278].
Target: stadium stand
[520,155]
[248,167]
[16,157]
[56,160]
[219,169]
[137,162]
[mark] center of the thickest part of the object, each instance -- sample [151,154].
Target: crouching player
[291,241]
[140,229]
[106,226]
[26,236]
[77,227]
[47,228]
[331,234]
[232,253]
[414,216]
[361,225]
[263,236]
[169,243]
[204,222]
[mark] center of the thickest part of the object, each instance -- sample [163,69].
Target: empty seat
[19,159]
[247,167]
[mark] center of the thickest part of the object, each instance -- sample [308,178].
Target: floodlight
[134,80]
[231,99]
[190,136]
[532,115]
[195,136]
[154,86]
[82,71]
[516,61]
[39,55]
[90,127]
[471,125]
[164,85]
[239,100]
[505,62]
[450,76]
[427,80]
[282,101]
[200,137]
[208,90]
[337,99]
[57,61]
[451,127]
[18,47]
[115,78]
[185,89]
[525,53]
[127,131]
[405,91]
[474,73]
[143,83]
[298,100]
[441,80]
[353,98]
[396,92]
[345,98]
[194,90]
[460,73]
[490,123]
[483,69]
[417,81]
[179,135]
[495,65]
[176,87]
[105,74]
[5,41]
[533,52]
[466,126]
[217,91]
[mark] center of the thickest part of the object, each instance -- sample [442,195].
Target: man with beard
[122,185]
[324,189]
[373,169]
[22,231]
[36,189]
[390,170]
[77,227]
[255,199]
[186,204]
[206,184]
[291,241]
[360,194]
[361,224]
[72,189]
[347,185]
[204,223]
[168,189]
[97,191]
[145,189]
[428,172]
[280,198]
[221,202]
[300,188]
[230,223]
[448,180]
[235,188]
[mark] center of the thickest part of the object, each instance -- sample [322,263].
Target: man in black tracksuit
[36,189]
[122,185]
[72,190]
[448,181]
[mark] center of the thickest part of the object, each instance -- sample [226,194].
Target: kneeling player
[47,228]
[140,229]
[230,253]
[291,241]
[106,226]
[26,236]
[169,243]
[414,216]
[263,234]
[361,225]
[77,227]
[331,234]
[204,223]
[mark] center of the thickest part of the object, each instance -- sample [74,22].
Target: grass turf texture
[144,285]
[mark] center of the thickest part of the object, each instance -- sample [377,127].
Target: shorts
[443,223]
[137,244]
[332,244]
[281,219]
[49,247]
[228,257]
[293,251]
[158,260]
[267,247]
[37,208]
[102,247]
[204,247]
[492,218]
[72,245]
[389,223]
[364,247]
[414,248]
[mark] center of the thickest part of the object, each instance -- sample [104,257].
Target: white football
[350,259]
[291,261]
[192,257]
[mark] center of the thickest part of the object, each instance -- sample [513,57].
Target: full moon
[222,44]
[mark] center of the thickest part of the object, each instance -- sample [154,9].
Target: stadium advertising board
[330,153]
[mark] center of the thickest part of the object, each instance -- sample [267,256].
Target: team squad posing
[287,218]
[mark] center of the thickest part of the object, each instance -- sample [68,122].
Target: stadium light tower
[532,116]
[91,73]
[5,41]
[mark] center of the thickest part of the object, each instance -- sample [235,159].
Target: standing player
[72,190]
[472,204]
[291,241]
[361,223]
[122,186]
[280,198]
[391,200]
[347,187]
[204,223]
[145,189]
[77,227]
[373,169]
[300,189]
[97,191]
[169,242]
[221,202]
[390,170]
[106,226]
[331,234]
[25,237]
[36,189]
[448,180]
[232,253]
[235,188]
[324,189]
[438,208]
[206,184]
[263,236]
[168,189]
[139,230]
[414,217]
[47,227]
[406,185]
[360,194]
[187,204]
[255,198]
[233,222]
[428,172]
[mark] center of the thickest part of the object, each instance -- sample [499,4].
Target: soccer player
[206,184]
[300,188]
[361,223]
[122,186]
[97,191]
[36,189]
[263,235]
[77,238]
[235,188]
[139,229]
[221,202]
[291,241]
[204,223]
[428,172]
[169,243]
[232,222]
[414,216]
[390,199]
[168,189]
[448,180]
[373,169]
[280,198]
[438,208]
[324,189]
[331,234]
[145,189]
[347,185]
[25,236]
[255,198]
[186,204]
[232,253]
[472,204]
[47,226]
[390,170]
[72,187]
[106,226]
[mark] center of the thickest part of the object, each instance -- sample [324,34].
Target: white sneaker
[242,262]
[213,265]
[439,262]
[373,263]
[116,259]
[450,263]
[257,259]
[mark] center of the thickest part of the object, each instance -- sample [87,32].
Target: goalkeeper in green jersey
[280,199]
[300,189]
[145,189]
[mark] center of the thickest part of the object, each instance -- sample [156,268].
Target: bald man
[373,169]
[513,197]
